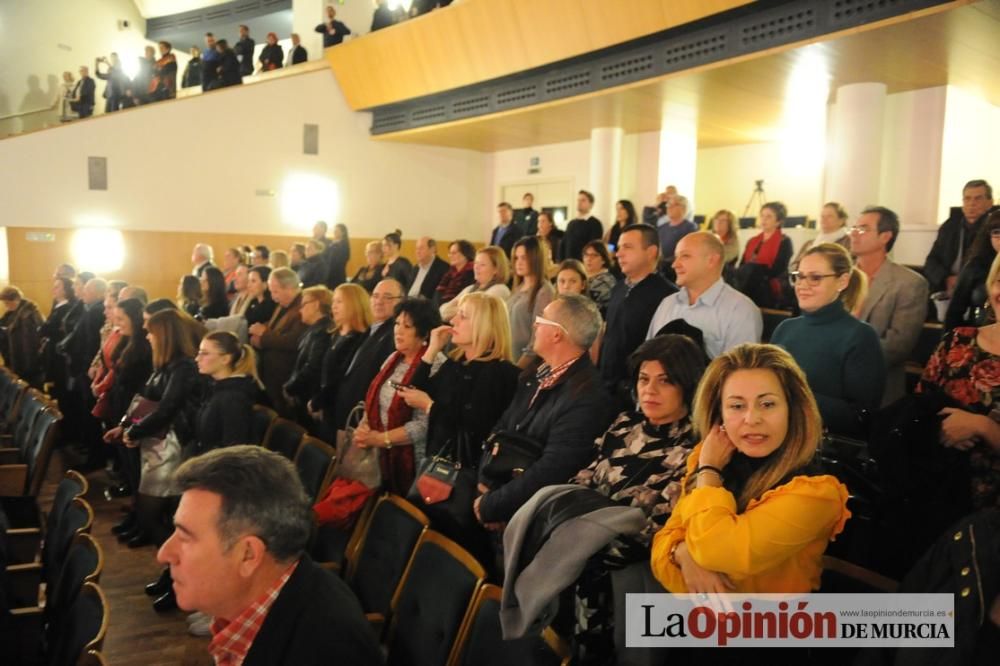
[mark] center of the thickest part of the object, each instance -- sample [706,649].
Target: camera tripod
[757,196]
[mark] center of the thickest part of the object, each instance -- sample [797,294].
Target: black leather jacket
[179,389]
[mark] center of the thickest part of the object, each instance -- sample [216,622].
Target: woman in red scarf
[390,423]
[764,268]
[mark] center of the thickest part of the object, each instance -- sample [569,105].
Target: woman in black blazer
[352,316]
[469,392]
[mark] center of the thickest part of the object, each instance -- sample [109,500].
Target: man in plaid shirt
[237,554]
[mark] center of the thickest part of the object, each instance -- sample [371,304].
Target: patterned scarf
[398,463]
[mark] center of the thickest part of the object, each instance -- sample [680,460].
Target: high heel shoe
[161,586]
[166,602]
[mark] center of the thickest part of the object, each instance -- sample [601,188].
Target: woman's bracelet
[709,468]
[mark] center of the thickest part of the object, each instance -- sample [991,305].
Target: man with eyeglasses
[563,407]
[373,351]
[896,305]
[955,236]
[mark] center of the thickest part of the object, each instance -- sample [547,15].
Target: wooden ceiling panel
[743,101]
[479,40]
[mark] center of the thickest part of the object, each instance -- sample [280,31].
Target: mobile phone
[398,386]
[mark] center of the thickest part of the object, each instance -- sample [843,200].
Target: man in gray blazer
[896,305]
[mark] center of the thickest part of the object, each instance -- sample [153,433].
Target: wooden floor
[137,635]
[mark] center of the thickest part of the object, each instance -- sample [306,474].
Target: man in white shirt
[724,316]
[428,270]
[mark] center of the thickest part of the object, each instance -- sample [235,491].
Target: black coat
[368,283]
[339,32]
[178,388]
[213,311]
[629,314]
[336,256]
[336,360]
[511,236]
[312,271]
[260,312]
[244,51]
[382,18]
[315,621]
[131,374]
[469,399]
[83,342]
[226,416]
[937,266]
[527,220]
[566,419]
[192,73]
[307,372]
[272,56]
[970,292]
[434,274]
[51,333]
[366,363]
[579,232]
[399,270]
[299,54]
[228,71]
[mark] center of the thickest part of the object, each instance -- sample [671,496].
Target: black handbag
[445,489]
[507,454]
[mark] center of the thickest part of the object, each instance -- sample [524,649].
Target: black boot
[167,602]
[140,539]
[135,531]
[126,525]
[162,585]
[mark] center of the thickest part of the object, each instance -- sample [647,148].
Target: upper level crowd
[218,65]
[624,358]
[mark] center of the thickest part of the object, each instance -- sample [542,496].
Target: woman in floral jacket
[966,367]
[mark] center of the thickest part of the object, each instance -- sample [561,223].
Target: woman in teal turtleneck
[841,356]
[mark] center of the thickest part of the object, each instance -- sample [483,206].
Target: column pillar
[605,171]
[854,163]
[306,15]
[678,156]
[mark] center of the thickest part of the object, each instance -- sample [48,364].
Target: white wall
[725,179]
[971,147]
[197,164]
[40,39]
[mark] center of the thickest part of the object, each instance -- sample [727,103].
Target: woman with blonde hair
[316,312]
[369,275]
[351,312]
[841,356]
[755,516]
[491,271]
[466,396]
[279,259]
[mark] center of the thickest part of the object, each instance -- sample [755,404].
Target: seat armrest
[24,582]
[23,544]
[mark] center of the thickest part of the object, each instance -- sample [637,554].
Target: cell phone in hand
[398,386]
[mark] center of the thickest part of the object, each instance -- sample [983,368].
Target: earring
[722,428]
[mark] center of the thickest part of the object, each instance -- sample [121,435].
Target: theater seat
[263,419]
[385,551]
[314,462]
[24,517]
[84,627]
[432,602]
[481,641]
[284,437]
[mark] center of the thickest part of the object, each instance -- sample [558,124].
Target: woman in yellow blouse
[755,515]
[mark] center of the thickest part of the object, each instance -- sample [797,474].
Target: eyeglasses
[859,230]
[812,280]
[542,321]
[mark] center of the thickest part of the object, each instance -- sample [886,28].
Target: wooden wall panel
[478,40]
[154,260]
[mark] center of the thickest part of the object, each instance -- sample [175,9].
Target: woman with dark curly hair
[390,424]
